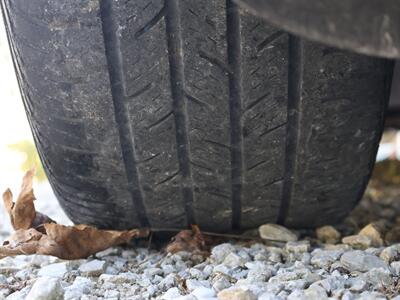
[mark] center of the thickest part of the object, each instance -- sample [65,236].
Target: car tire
[171,113]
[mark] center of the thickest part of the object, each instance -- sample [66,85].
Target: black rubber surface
[192,111]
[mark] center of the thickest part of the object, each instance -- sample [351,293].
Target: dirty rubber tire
[193,111]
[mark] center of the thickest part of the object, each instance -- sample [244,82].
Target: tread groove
[177,81]
[269,39]
[153,22]
[272,129]
[256,165]
[141,91]
[217,143]
[235,109]
[168,178]
[295,74]
[215,61]
[272,182]
[199,102]
[114,64]
[159,121]
[255,102]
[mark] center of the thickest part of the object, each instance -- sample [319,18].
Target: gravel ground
[358,259]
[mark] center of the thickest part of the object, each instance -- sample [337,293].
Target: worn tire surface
[164,114]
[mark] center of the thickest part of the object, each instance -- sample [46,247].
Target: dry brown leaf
[8,202]
[28,241]
[84,240]
[22,213]
[38,234]
[188,240]
[66,242]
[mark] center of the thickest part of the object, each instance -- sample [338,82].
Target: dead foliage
[35,233]
[189,240]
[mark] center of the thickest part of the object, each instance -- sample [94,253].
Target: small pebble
[93,268]
[236,294]
[328,234]
[46,288]
[358,260]
[373,233]
[390,253]
[54,270]
[358,241]
[171,294]
[276,232]
[203,292]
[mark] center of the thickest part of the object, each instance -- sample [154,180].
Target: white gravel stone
[268,296]
[111,294]
[196,273]
[347,295]
[297,295]
[107,252]
[328,284]
[19,295]
[371,296]
[374,251]
[298,284]
[187,297]
[171,294]
[233,260]
[46,288]
[358,260]
[79,287]
[54,270]
[3,279]
[111,270]
[24,274]
[169,281]
[395,266]
[390,253]
[40,260]
[378,277]
[221,283]
[275,254]
[167,269]
[93,268]
[275,285]
[236,294]
[203,292]
[276,232]
[298,247]
[221,268]
[358,241]
[324,258]
[153,271]
[121,278]
[356,284]
[220,252]
[259,275]
[315,293]
[193,284]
